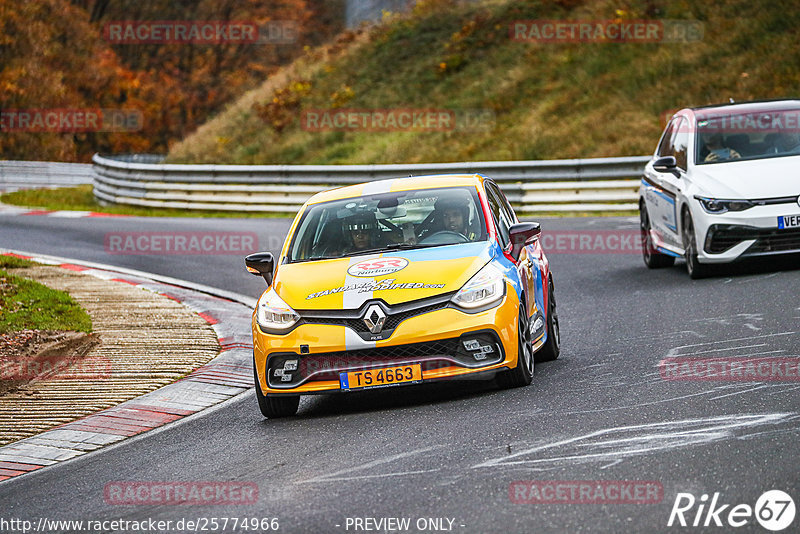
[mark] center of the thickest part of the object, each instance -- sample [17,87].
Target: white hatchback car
[723,184]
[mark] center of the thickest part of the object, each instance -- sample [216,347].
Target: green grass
[565,100]
[29,305]
[12,262]
[80,198]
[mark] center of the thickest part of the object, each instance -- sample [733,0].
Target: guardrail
[36,174]
[602,184]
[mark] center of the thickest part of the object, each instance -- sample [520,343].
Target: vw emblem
[374,318]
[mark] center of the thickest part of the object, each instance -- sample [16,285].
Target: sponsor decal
[378,267]
[383,285]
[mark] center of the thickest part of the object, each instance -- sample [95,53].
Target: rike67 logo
[377,267]
[774,510]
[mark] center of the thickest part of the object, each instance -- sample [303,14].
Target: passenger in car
[788,142]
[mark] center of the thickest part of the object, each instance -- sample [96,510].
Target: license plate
[788,221]
[376,378]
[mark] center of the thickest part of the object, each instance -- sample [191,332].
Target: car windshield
[747,135]
[388,221]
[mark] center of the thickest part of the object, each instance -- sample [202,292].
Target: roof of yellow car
[398,184]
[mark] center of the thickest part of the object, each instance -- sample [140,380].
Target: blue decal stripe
[662,250]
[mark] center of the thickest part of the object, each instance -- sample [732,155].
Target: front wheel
[652,257]
[522,374]
[274,407]
[693,266]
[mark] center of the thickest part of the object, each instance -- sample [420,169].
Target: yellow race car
[399,282]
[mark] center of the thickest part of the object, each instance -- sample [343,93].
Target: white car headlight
[715,205]
[273,314]
[488,286]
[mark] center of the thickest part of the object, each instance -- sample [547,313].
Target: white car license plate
[788,221]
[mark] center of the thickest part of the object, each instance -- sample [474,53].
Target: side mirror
[667,164]
[261,264]
[523,234]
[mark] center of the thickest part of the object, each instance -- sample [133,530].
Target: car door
[662,189]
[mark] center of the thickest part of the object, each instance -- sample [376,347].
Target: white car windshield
[747,135]
[387,221]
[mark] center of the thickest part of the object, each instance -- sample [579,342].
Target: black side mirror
[261,264]
[523,234]
[667,164]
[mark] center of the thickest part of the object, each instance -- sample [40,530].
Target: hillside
[535,100]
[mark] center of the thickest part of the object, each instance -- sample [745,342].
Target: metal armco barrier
[602,184]
[36,174]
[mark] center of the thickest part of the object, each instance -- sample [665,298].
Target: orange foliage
[54,56]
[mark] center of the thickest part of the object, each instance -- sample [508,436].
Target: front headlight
[273,314]
[487,287]
[715,205]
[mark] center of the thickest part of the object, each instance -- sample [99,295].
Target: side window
[507,209]
[498,214]
[681,144]
[665,146]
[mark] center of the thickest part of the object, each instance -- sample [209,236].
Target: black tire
[522,374]
[695,269]
[552,347]
[274,407]
[652,257]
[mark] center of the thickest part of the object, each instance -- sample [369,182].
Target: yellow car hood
[395,277]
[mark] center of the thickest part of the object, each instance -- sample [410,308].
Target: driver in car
[717,151]
[362,228]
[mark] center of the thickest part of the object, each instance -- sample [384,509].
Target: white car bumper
[727,237]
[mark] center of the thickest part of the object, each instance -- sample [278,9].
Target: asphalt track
[600,412]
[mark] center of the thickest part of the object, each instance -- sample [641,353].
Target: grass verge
[81,198]
[29,305]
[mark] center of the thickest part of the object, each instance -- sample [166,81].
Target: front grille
[328,365]
[354,319]
[767,240]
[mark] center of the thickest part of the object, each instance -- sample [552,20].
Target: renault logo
[374,319]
